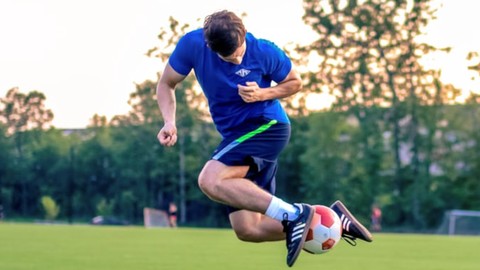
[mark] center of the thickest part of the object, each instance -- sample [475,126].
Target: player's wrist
[169,123]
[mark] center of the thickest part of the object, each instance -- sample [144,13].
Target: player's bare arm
[167,136]
[251,92]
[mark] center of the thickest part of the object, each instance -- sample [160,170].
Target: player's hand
[167,136]
[250,92]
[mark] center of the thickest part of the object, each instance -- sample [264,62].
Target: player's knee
[208,185]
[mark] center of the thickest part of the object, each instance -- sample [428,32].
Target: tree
[139,157]
[370,55]
[98,121]
[6,167]
[194,137]
[21,112]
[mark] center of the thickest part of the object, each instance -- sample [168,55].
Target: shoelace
[349,239]
[345,224]
[285,223]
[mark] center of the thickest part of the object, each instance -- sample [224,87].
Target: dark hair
[224,32]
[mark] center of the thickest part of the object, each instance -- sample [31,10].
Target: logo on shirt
[242,72]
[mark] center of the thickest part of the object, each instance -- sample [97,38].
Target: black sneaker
[352,229]
[297,231]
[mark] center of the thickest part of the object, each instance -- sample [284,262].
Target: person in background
[172,214]
[376,218]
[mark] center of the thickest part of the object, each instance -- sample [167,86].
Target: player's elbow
[297,85]
[294,82]
[294,86]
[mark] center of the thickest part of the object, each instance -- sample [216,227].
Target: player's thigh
[216,170]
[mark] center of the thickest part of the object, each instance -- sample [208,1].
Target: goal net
[154,218]
[460,222]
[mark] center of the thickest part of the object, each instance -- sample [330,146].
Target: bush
[50,207]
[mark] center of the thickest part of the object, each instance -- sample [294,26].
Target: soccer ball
[325,231]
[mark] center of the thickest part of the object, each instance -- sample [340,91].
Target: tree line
[394,136]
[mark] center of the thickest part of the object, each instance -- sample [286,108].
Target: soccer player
[243,78]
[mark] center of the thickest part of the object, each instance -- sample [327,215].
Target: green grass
[64,247]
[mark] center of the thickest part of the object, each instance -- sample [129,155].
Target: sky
[87,55]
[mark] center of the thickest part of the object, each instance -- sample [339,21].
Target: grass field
[64,247]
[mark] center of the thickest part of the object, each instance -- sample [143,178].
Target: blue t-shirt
[263,63]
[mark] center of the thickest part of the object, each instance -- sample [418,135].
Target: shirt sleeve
[181,59]
[278,64]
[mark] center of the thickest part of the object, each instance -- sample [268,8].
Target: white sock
[278,208]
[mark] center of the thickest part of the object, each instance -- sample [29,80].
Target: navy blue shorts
[256,144]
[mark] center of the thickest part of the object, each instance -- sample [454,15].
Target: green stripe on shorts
[245,137]
[260,129]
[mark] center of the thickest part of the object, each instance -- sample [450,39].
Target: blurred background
[388,120]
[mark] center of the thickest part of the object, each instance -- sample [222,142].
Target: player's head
[224,32]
